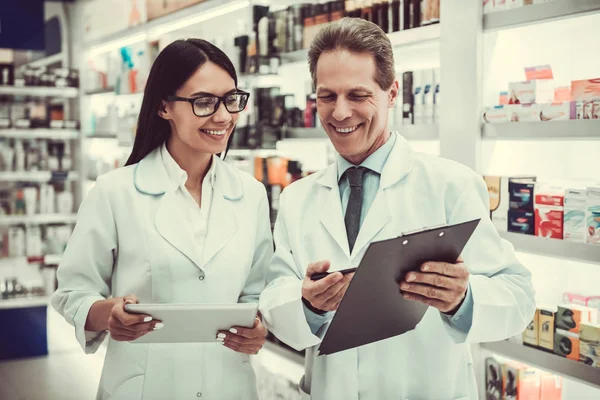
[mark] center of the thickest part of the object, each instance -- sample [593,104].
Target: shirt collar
[177,174]
[375,162]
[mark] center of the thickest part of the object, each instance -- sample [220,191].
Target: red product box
[549,221]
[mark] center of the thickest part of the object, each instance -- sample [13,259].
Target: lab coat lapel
[223,220]
[331,216]
[172,226]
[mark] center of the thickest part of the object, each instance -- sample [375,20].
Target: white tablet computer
[193,323]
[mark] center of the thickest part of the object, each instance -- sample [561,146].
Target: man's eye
[326,98]
[358,97]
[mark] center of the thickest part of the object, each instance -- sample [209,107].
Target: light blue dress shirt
[463,318]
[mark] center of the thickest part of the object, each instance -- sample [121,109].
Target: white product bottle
[67,161]
[19,156]
[31,196]
[34,241]
[64,202]
[46,199]
[418,97]
[428,96]
[16,242]
[437,97]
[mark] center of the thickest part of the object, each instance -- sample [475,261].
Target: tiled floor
[66,374]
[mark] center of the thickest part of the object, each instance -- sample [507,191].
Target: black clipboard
[373,308]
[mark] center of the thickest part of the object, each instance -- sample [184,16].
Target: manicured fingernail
[233,330]
[406,296]
[128,302]
[410,278]
[147,319]
[405,286]
[222,335]
[220,339]
[158,326]
[426,268]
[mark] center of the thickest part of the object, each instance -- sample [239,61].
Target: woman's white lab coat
[130,238]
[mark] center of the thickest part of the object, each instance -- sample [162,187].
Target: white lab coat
[432,362]
[131,238]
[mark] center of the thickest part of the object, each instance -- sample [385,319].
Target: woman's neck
[194,163]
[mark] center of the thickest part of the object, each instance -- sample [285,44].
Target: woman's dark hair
[171,69]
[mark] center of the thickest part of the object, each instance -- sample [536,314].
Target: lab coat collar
[397,166]
[151,177]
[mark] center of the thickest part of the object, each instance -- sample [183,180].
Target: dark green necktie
[352,217]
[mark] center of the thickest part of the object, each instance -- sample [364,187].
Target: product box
[546,327]
[530,334]
[592,215]
[538,72]
[532,91]
[589,337]
[566,344]
[585,90]
[574,223]
[496,114]
[562,94]
[569,317]
[560,111]
[521,194]
[493,379]
[581,300]
[549,212]
[498,193]
[521,222]
[525,112]
[520,382]
[550,386]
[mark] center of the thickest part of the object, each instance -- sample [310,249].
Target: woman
[176,225]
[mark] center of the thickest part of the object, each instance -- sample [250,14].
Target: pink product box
[534,91]
[585,90]
[557,111]
[525,112]
[496,115]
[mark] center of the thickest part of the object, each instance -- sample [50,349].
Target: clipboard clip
[424,229]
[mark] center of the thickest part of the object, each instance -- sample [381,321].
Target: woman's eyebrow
[211,94]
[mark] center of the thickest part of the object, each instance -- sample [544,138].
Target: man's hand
[327,293]
[439,285]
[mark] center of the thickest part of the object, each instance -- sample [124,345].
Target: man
[377,189]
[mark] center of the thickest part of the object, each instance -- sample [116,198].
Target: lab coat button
[201,277]
[199,394]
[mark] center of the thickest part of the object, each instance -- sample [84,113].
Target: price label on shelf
[59,175]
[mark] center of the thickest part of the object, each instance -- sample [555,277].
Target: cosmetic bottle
[395,13]
[384,16]
[375,16]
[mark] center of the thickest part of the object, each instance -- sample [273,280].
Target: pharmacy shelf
[527,15]
[409,132]
[409,37]
[546,361]
[39,91]
[38,176]
[51,134]
[584,252]
[419,132]
[177,20]
[49,259]
[558,130]
[25,302]
[102,135]
[40,219]
[108,90]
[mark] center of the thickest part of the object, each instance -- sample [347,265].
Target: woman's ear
[393,94]
[162,110]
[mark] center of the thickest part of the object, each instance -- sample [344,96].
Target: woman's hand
[124,326]
[244,340]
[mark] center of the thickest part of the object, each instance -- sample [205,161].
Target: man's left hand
[440,285]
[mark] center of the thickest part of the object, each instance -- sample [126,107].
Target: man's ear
[393,94]
[162,110]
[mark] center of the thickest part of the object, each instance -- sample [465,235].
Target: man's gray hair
[356,36]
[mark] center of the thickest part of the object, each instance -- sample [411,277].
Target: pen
[321,275]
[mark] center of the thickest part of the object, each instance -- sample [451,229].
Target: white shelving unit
[50,134]
[25,302]
[409,37]
[40,219]
[558,130]
[556,9]
[39,91]
[546,361]
[584,252]
[38,176]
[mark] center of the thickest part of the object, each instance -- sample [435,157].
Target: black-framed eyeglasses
[207,105]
